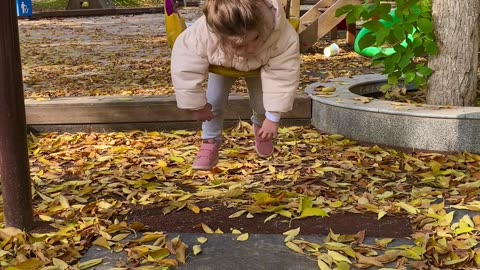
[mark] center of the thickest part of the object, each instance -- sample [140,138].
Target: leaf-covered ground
[84,185]
[91,188]
[127,55]
[50,5]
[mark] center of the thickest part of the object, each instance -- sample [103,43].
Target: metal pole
[14,166]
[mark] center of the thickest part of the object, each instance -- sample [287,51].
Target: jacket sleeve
[189,68]
[281,74]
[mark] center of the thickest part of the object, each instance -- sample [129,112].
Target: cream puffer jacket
[279,59]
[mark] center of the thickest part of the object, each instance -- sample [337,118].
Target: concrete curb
[383,122]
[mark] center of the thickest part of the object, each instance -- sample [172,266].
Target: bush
[411,24]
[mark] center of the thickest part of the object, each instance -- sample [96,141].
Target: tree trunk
[454,79]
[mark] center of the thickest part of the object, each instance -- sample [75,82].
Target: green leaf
[405,61]
[383,8]
[392,79]
[389,65]
[396,57]
[419,81]
[425,71]
[367,41]
[430,47]
[417,42]
[399,49]
[407,6]
[355,14]
[399,34]
[425,25]
[381,35]
[409,76]
[373,26]
[343,10]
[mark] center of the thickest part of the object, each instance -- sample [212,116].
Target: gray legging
[217,94]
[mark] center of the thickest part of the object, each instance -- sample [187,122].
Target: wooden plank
[323,24]
[97,110]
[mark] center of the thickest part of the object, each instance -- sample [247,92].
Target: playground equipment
[312,26]
[320,20]
[372,50]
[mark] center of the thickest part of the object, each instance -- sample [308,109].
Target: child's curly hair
[233,19]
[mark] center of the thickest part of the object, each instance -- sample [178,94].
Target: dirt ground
[129,55]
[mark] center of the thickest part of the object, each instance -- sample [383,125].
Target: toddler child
[245,35]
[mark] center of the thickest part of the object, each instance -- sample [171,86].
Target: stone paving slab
[259,252]
[221,252]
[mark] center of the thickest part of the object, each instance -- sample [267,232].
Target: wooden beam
[323,24]
[312,14]
[14,163]
[99,110]
[154,126]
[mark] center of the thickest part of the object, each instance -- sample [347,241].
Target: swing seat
[175,25]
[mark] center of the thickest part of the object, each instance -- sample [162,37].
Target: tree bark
[454,80]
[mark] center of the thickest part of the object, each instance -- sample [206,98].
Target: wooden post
[14,166]
[295,8]
[351,33]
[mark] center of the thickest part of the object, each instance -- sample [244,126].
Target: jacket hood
[278,12]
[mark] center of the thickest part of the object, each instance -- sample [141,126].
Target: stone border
[417,127]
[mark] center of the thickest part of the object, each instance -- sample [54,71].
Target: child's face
[249,45]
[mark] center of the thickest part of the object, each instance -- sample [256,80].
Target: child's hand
[204,114]
[268,130]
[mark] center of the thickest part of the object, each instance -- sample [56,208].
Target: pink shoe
[207,157]
[264,147]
